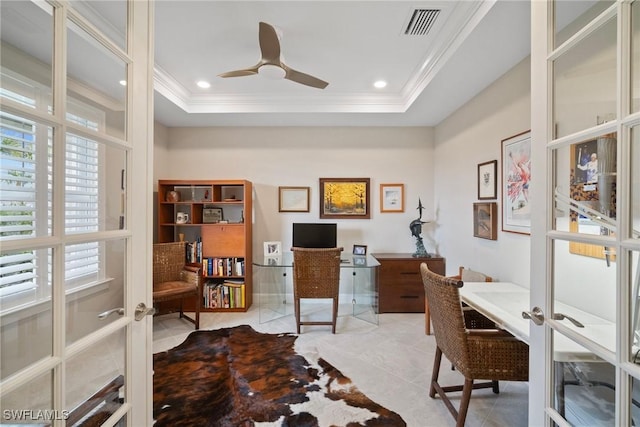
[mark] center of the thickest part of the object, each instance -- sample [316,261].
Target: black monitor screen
[314,235]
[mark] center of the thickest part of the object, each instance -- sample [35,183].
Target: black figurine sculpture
[416,229]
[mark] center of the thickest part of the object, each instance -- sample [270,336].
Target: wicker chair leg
[335,315]
[181,309]
[495,387]
[435,373]
[464,402]
[296,307]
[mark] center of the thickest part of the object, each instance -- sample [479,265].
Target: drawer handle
[410,296]
[409,272]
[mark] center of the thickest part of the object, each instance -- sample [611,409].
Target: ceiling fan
[271,64]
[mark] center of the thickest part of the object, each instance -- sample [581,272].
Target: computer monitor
[314,235]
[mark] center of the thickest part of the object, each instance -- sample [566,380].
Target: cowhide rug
[240,377]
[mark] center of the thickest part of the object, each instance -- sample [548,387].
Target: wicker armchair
[316,274]
[478,354]
[173,280]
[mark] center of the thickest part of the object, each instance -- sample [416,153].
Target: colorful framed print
[516,181]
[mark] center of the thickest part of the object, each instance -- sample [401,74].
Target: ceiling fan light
[271,72]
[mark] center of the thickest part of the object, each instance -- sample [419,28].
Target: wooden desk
[401,289]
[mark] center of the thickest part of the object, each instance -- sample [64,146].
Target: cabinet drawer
[402,298]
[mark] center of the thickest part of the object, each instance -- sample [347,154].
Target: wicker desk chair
[478,354]
[472,318]
[316,274]
[173,280]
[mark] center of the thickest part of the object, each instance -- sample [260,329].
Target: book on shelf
[223,267]
[193,251]
[227,294]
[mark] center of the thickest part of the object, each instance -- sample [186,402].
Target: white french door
[73,75]
[585,104]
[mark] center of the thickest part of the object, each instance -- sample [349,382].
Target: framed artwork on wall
[487,182]
[293,199]
[516,180]
[346,198]
[391,197]
[485,220]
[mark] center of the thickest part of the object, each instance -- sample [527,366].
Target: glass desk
[358,286]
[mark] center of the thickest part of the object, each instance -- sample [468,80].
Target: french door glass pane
[99,368]
[94,186]
[634,306]
[584,390]
[109,16]
[635,57]
[591,313]
[25,309]
[96,85]
[25,173]
[30,404]
[27,51]
[571,16]
[585,188]
[584,82]
[635,181]
[95,280]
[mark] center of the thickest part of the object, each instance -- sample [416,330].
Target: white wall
[470,136]
[299,156]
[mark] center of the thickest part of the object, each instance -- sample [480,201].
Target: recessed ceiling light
[380,84]
[123,82]
[203,84]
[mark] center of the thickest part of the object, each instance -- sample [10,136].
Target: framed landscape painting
[346,198]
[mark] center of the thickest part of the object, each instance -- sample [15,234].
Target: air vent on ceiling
[421,22]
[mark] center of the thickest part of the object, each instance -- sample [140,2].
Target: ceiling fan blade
[305,79]
[269,44]
[240,73]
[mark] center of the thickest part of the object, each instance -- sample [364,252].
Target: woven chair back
[316,272]
[168,261]
[446,316]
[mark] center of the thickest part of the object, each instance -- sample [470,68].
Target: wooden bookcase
[228,242]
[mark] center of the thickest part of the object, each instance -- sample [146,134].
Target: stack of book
[223,267]
[193,251]
[227,294]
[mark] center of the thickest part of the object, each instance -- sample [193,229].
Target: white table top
[504,302]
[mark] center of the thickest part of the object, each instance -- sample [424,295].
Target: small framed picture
[293,199]
[485,220]
[359,250]
[391,197]
[211,215]
[487,183]
[272,249]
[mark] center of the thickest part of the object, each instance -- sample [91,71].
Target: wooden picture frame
[391,197]
[485,220]
[487,182]
[293,199]
[516,179]
[346,198]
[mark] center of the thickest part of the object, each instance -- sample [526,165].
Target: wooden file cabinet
[400,284]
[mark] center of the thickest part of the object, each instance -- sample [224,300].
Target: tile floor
[391,363]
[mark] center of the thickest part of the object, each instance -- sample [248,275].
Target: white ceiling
[349,44]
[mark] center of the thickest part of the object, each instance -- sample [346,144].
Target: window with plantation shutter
[25,202]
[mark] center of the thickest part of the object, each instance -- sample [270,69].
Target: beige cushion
[472,276]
